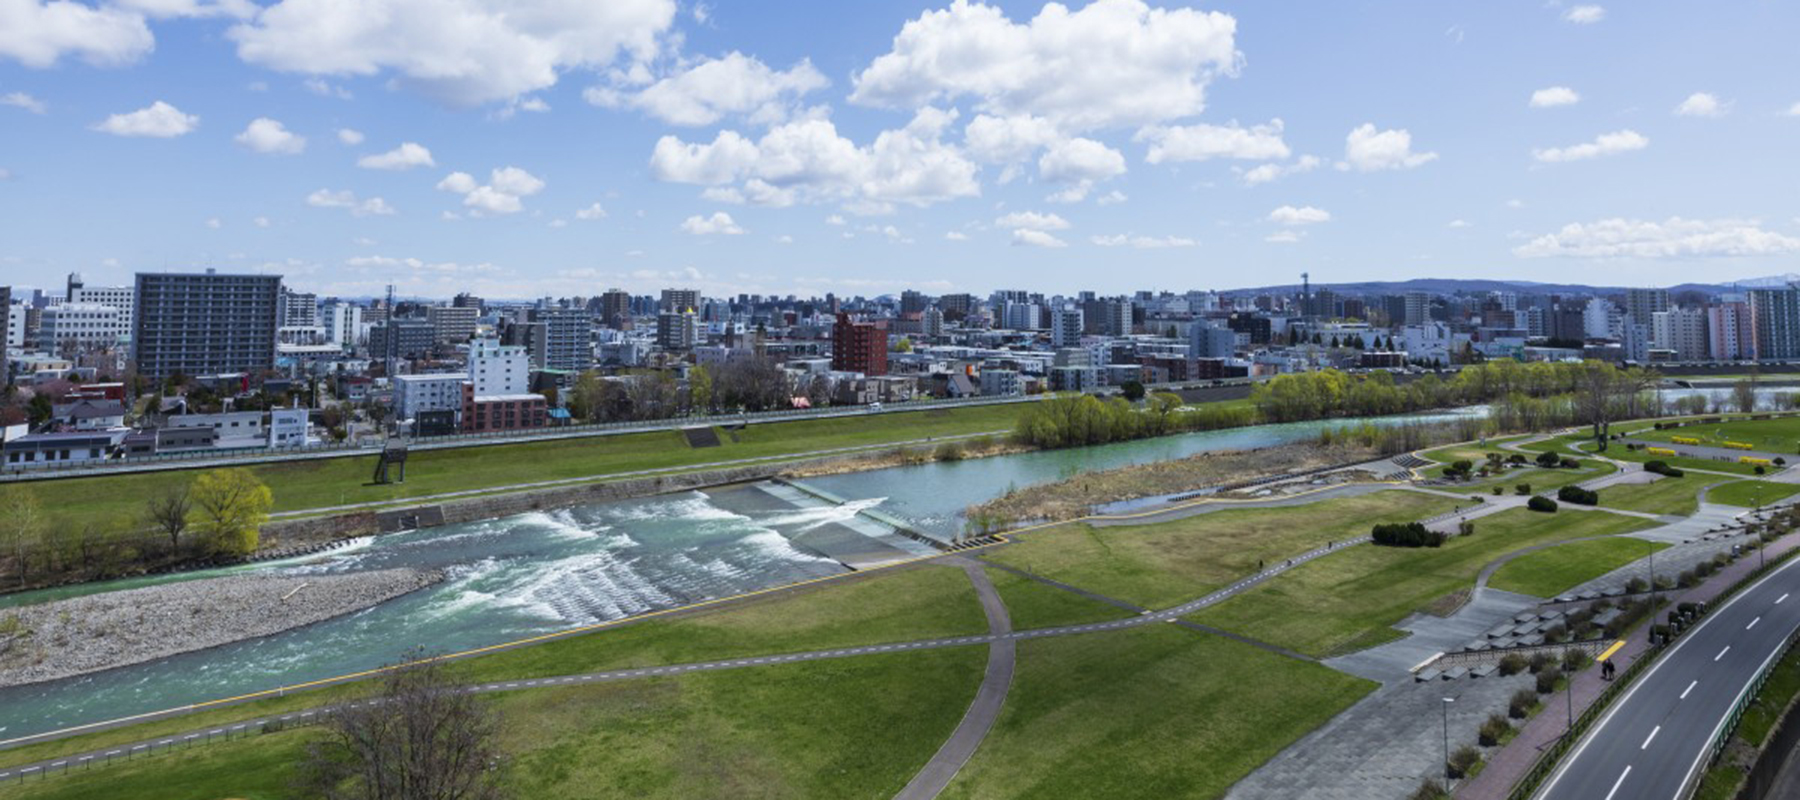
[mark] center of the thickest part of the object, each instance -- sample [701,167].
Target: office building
[498,369]
[417,394]
[1208,342]
[411,338]
[81,325]
[6,322]
[119,297]
[204,323]
[343,324]
[858,346]
[1416,308]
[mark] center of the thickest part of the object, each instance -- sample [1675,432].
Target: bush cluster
[1578,496]
[1543,504]
[1406,534]
[1660,467]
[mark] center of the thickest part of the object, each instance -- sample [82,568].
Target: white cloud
[214,223]
[265,135]
[1702,104]
[1143,242]
[38,34]
[1112,63]
[323,88]
[535,105]
[956,236]
[461,51]
[1032,220]
[1793,110]
[1515,203]
[5,174]
[1033,238]
[1003,140]
[1585,15]
[1554,96]
[1263,173]
[719,223]
[1607,144]
[1285,237]
[502,194]
[1080,159]
[346,199]
[261,222]
[715,88]
[784,239]
[1113,197]
[808,161]
[1202,142]
[1672,238]
[1303,215]
[834,219]
[164,9]
[349,136]
[23,100]
[591,212]
[406,156]
[159,119]
[1369,150]
[1458,223]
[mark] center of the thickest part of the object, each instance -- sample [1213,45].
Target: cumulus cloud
[463,52]
[1458,223]
[1032,220]
[1112,63]
[1143,242]
[1606,144]
[956,236]
[502,194]
[159,119]
[1080,159]
[265,135]
[1285,237]
[1554,96]
[38,34]
[1702,104]
[1002,140]
[1585,15]
[591,212]
[1368,150]
[709,91]
[720,223]
[346,199]
[406,156]
[261,222]
[1033,238]
[349,136]
[23,100]
[809,161]
[1202,142]
[1263,173]
[1303,215]
[1673,238]
[214,223]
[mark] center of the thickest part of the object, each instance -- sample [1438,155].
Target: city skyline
[651,144]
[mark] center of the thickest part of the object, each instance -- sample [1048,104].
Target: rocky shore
[63,638]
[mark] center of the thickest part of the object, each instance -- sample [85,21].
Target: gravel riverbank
[71,637]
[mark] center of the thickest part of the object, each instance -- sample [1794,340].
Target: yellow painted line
[1610,651]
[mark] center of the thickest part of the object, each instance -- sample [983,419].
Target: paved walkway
[1002,656]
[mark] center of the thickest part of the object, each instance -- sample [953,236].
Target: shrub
[1570,463]
[1512,664]
[1543,504]
[1660,467]
[1538,662]
[1547,460]
[1522,489]
[1556,633]
[1780,462]
[1636,585]
[1493,730]
[950,451]
[1406,534]
[1547,678]
[1578,496]
[1523,701]
[1464,759]
[1762,470]
[1574,659]
[1516,458]
[1688,578]
[1465,528]
[1428,790]
[1498,490]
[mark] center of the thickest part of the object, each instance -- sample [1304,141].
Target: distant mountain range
[1450,285]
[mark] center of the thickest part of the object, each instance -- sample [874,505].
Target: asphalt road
[1657,737]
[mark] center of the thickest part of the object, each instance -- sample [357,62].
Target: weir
[899,525]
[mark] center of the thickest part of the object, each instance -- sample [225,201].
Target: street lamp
[1569,692]
[1447,776]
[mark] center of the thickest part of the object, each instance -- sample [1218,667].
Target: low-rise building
[45,449]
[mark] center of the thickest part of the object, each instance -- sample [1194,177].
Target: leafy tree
[21,523]
[1132,390]
[700,390]
[905,345]
[233,506]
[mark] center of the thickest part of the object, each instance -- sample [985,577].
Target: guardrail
[1722,735]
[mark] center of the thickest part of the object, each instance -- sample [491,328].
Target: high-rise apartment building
[298,309]
[1065,327]
[1728,331]
[81,325]
[343,324]
[204,323]
[858,346]
[452,324]
[680,299]
[1642,305]
[615,309]
[1682,330]
[1417,308]
[568,338]
[677,330]
[498,369]
[119,297]
[1775,323]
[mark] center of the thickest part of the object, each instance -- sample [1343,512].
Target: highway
[1656,739]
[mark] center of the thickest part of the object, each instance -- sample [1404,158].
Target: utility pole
[1447,702]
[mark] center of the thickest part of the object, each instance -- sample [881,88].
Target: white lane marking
[1722,653]
[1753,623]
[1684,692]
[1647,739]
[1779,599]
[1617,783]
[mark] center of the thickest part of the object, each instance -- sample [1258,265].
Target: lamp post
[1447,702]
[1569,693]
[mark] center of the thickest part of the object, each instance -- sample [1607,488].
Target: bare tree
[21,523]
[421,738]
[169,512]
[1743,394]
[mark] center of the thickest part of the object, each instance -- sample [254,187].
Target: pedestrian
[1259,565]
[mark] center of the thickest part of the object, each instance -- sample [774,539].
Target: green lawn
[1781,435]
[1149,712]
[1169,563]
[1037,605]
[851,728]
[1679,496]
[1540,479]
[1351,599]
[1552,571]
[1750,494]
[1618,451]
[300,485]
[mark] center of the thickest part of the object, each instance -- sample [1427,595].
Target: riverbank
[65,638]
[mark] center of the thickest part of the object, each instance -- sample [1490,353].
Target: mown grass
[851,728]
[1148,712]
[1032,604]
[1552,571]
[1781,435]
[1352,598]
[1751,494]
[1678,496]
[1168,563]
[1618,451]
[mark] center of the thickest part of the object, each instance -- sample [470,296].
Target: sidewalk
[1510,764]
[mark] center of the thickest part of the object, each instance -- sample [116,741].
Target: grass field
[854,728]
[1169,563]
[1750,494]
[1035,605]
[1540,479]
[1781,435]
[1351,599]
[1618,451]
[317,483]
[1680,496]
[1552,571]
[1150,712]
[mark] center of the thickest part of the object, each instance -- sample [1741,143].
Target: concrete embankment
[63,638]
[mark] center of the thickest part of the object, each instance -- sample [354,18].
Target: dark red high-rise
[858,346]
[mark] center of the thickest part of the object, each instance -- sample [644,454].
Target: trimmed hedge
[1543,504]
[1406,534]
[1578,496]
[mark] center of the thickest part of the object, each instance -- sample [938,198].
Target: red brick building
[858,346]
[502,412]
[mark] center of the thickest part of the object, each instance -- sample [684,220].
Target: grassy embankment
[1780,435]
[1751,494]
[1539,478]
[1350,600]
[1668,496]
[1554,570]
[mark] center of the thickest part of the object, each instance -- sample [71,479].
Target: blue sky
[563,148]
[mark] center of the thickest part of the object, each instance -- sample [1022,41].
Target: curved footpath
[1002,657]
